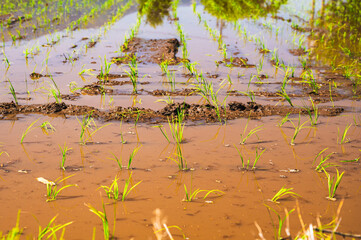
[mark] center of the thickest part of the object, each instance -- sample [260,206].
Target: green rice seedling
[28,130]
[312,112]
[47,127]
[52,190]
[164,132]
[127,189]
[283,92]
[119,161]
[87,124]
[171,80]
[283,192]
[284,120]
[113,190]
[104,68]
[190,196]
[297,128]
[133,73]
[322,164]
[13,93]
[123,141]
[64,150]
[103,218]
[332,185]
[50,230]
[164,66]
[275,58]
[190,67]
[6,60]
[281,222]
[131,157]
[15,232]
[343,139]
[245,166]
[176,126]
[310,79]
[245,136]
[352,160]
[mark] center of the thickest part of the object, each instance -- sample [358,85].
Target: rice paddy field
[125,119]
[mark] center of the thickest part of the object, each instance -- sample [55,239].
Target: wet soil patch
[183,92]
[193,112]
[110,76]
[236,62]
[297,51]
[35,75]
[152,51]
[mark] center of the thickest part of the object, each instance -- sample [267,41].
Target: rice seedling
[87,124]
[281,222]
[245,166]
[6,60]
[297,128]
[190,67]
[283,92]
[15,232]
[310,79]
[322,164]
[284,120]
[283,192]
[332,185]
[245,135]
[127,188]
[118,160]
[104,68]
[164,132]
[176,126]
[64,151]
[50,230]
[52,190]
[131,157]
[103,218]
[133,73]
[113,190]
[13,93]
[47,127]
[343,139]
[28,130]
[190,196]
[164,66]
[312,112]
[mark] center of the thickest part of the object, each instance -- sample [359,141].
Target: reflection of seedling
[52,190]
[28,130]
[322,165]
[192,195]
[343,138]
[50,230]
[246,167]
[332,184]
[64,150]
[119,161]
[245,136]
[283,192]
[135,150]
[164,132]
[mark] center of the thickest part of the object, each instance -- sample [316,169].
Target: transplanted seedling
[245,166]
[28,130]
[52,190]
[131,157]
[103,218]
[283,192]
[64,150]
[192,195]
[332,185]
[15,232]
[50,230]
[297,128]
[245,136]
[343,139]
[88,128]
[322,164]
[47,127]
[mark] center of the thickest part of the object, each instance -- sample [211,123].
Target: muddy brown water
[208,148]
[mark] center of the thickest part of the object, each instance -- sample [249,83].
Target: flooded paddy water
[236,119]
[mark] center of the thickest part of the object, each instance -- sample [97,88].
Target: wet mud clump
[236,62]
[193,112]
[151,51]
